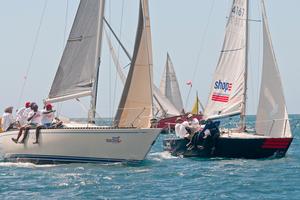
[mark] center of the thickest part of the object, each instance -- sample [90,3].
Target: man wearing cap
[46,121]
[181,128]
[34,118]
[178,125]
[7,119]
[22,114]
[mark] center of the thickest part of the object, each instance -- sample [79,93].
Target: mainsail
[272,116]
[228,90]
[135,108]
[77,71]
[169,85]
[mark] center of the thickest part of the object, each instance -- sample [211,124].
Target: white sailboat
[77,76]
[228,96]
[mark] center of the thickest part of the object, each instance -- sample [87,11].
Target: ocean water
[160,176]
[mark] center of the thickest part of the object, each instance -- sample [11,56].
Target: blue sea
[160,176]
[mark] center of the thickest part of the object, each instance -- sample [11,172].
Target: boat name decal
[114,140]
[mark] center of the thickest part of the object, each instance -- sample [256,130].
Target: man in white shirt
[34,118]
[22,114]
[178,128]
[7,119]
[46,121]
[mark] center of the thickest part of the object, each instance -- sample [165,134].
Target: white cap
[185,123]
[195,121]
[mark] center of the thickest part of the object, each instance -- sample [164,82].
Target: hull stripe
[55,158]
[277,143]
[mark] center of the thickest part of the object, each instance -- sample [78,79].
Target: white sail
[115,59]
[169,85]
[272,116]
[227,95]
[78,66]
[163,105]
[135,108]
[166,107]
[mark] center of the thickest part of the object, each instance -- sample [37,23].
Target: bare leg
[25,134]
[19,135]
[37,134]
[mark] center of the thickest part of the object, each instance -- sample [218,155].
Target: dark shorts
[32,125]
[47,125]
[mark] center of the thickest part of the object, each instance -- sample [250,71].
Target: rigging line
[32,52]
[66,22]
[110,72]
[259,59]
[251,63]
[119,41]
[188,96]
[59,105]
[118,56]
[85,108]
[203,40]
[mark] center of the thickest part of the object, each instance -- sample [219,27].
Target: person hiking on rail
[46,121]
[34,118]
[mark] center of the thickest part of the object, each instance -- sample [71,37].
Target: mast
[243,113]
[92,111]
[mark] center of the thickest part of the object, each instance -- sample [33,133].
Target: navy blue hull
[231,148]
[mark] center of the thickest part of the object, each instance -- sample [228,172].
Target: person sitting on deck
[207,137]
[46,121]
[7,119]
[33,120]
[189,118]
[192,126]
[180,130]
[22,114]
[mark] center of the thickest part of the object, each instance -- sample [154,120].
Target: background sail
[197,107]
[166,107]
[169,85]
[77,69]
[228,86]
[272,116]
[135,108]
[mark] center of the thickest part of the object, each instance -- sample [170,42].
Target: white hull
[80,145]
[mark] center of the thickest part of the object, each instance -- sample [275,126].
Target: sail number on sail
[236,10]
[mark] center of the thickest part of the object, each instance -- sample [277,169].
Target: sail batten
[76,73]
[228,87]
[272,116]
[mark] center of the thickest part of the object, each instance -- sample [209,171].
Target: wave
[159,156]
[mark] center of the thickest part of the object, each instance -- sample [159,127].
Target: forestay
[135,108]
[77,70]
[272,116]
[169,85]
[228,89]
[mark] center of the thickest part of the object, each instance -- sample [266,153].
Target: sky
[33,34]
